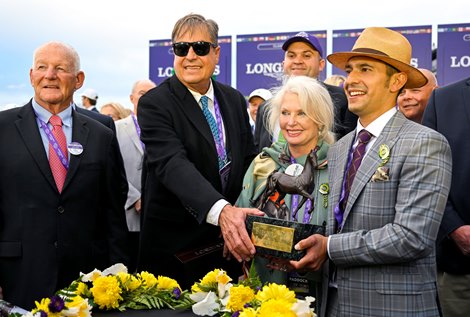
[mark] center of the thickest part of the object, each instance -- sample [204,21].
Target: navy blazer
[448,112]
[183,180]
[47,238]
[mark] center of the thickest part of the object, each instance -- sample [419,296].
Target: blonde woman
[115,110]
[304,110]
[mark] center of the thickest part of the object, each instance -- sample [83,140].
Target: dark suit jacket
[448,112]
[183,180]
[345,120]
[109,122]
[47,238]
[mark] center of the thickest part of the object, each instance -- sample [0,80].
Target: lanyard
[219,143]
[53,142]
[295,203]
[137,127]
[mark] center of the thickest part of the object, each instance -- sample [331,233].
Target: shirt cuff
[328,247]
[214,213]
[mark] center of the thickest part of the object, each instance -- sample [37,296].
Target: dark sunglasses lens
[181,49]
[201,48]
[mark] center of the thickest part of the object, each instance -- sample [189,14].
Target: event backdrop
[420,38]
[259,59]
[259,56]
[453,53]
[161,60]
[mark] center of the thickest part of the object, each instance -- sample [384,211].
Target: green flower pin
[324,190]
[384,154]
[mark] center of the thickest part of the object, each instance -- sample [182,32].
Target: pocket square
[381,174]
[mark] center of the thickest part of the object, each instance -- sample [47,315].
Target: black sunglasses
[201,48]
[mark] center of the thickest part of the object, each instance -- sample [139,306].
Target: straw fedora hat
[387,46]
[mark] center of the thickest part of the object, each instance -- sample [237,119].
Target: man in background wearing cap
[256,98]
[304,57]
[89,99]
[386,210]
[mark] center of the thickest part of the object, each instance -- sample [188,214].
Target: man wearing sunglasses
[199,143]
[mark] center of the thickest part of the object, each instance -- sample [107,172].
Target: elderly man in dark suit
[199,143]
[61,200]
[448,112]
[389,182]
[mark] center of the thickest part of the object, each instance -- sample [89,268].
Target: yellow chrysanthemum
[210,278]
[42,305]
[276,291]
[77,307]
[164,282]
[129,281]
[106,292]
[82,289]
[248,312]
[276,308]
[239,296]
[148,279]
[195,288]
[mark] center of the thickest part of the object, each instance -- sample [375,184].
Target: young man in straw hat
[389,181]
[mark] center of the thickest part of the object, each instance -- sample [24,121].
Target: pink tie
[58,169]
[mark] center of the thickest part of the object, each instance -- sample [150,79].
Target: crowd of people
[155,186]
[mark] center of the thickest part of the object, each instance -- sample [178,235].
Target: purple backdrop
[420,38]
[259,59]
[161,60]
[453,53]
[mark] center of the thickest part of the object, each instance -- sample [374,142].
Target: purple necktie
[363,137]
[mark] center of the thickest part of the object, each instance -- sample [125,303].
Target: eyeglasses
[201,48]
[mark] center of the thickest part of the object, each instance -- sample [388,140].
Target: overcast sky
[112,37]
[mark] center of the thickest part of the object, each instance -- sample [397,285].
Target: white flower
[90,277]
[208,306]
[199,296]
[115,269]
[302,307]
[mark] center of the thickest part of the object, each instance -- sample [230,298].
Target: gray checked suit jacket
[385,252]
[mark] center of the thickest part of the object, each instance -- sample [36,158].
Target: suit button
[55,244]
[60,209]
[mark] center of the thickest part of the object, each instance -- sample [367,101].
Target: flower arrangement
[214,294]
[114,288]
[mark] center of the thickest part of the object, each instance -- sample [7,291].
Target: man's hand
[232,224]
[461,237]
[138,206]
[315,255]
[1,293]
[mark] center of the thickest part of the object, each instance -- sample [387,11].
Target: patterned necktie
[58,169]
[363,137]
[212,124]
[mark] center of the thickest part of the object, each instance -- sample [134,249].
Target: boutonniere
[382,172]
[324,190]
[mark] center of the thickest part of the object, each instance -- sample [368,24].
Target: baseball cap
[262,93]
[306,38]
[90,94]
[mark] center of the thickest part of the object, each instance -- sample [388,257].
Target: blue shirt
[44,115]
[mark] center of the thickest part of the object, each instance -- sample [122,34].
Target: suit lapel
[371,161]
[28,128]
[132,132]
[185,100]
[80,135]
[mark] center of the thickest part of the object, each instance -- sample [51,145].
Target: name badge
[75,148]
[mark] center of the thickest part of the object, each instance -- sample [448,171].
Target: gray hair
[314,99]
[75,59]
[192,22]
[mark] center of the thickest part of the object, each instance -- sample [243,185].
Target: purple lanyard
[52,141]
[138,129]
[295,203]
[219,143]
